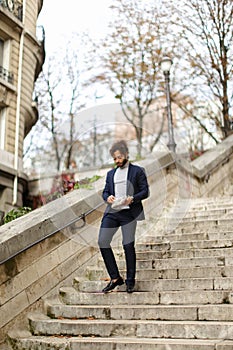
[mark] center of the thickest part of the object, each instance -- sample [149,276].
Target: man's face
[120,159]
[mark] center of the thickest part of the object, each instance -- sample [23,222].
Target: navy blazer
[137,186]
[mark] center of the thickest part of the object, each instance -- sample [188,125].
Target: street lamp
[166,66]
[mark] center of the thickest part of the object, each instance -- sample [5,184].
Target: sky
[60,18]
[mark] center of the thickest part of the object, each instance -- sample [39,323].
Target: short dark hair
[119,146]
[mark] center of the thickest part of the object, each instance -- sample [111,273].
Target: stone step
[172,244]
[206,202]
[219,230]
[205,244]
[185,253]
[200,214]
[168,263]
[40,324]
[193,228]
[205,212]
[209,206]
[192,208]
[211,211]
[71,296]
[157,285]
[155,246]
[25,341]
[217,312]
[94,273]
[195,217]
[220,224]
[181,241]
[190,236]
[205,206]
[155,237]
[129,312]
[195,272]
[196,226]
[223,208]
[199,209]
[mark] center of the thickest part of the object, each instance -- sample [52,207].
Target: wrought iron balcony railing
[14,6]
[6,75]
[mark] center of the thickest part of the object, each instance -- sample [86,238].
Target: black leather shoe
[130,288]
[113,285]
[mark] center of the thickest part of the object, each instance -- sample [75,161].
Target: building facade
[21,59]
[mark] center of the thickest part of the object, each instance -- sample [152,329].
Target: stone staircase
[183,298]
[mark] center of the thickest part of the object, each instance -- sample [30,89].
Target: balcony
[14,6]
[6,75]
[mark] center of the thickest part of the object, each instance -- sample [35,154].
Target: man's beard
[123,163]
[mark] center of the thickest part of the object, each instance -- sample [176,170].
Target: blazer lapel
[130,180]
[112,182]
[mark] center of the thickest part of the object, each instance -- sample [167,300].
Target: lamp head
[166,64]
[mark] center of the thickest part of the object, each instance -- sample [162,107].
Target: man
[126,186]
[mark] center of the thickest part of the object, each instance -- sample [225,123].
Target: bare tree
[132,53]
[47,90]
[205,29]
[75,104]
[59,92]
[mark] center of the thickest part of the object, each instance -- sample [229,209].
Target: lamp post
[95,130]
[166,66]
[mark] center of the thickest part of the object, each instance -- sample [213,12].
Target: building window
[2,127]
[5,74]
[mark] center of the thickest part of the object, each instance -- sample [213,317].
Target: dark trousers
[109,226]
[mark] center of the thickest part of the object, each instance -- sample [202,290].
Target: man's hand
[129,200]
[110,199]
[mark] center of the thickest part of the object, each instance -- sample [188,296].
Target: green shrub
[87,182]
[16,213]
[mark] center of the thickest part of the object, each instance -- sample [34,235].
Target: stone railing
[46,248]
[212,172]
